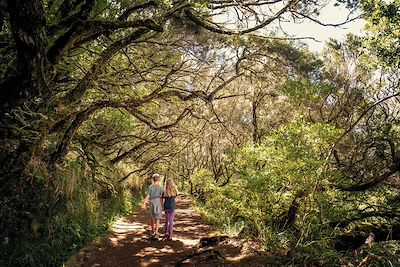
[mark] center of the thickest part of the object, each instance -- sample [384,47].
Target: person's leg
[152,225]
[167,222]
[157,221]
[168,218]
[171,222]
[151,208]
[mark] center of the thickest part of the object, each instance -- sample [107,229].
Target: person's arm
[145,202]
[162,200]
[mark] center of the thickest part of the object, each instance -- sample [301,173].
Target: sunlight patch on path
[115,240]
[122,226]
[129,243]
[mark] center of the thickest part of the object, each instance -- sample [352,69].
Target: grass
[68,231]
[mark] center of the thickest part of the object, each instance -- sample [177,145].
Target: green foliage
[63,208]
[100,6]
[299,57]
[107,123]
[203,180]
[306,91]
[268,176]
[267,179]
[73,210]
[382,41]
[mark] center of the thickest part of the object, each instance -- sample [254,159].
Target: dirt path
[129,243]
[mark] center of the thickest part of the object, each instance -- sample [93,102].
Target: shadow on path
[129,243]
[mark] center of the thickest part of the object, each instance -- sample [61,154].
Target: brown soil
[129,244]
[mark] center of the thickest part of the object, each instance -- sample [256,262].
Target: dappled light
[129,243]
[122,227]
[276,154]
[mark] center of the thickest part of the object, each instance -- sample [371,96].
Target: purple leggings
[169,222]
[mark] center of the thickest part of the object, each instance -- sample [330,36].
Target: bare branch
[374,182]
[130,10]
[149,121]
[75,94]
[209,26]
[347,20]
[130,151]
[89,29]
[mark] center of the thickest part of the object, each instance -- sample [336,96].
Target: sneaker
[153,236]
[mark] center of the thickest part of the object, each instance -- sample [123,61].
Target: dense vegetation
[274,142]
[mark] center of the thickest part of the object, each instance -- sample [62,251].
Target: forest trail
[128,243]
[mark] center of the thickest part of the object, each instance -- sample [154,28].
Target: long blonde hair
[170,189]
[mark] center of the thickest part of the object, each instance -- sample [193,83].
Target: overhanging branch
[89,29]
[75,94]
[209,26]
[374,182]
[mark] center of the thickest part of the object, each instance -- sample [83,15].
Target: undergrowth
[68,210]
[68,235]
[288,250]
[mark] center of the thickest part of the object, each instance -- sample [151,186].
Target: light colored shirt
[155,191]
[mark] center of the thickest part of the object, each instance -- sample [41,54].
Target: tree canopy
[295,147]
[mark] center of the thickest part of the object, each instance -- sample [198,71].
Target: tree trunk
[289,217]
[20,94]
[254,121]
[27,25]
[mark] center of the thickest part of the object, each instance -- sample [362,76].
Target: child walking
[169,195]
[154,196]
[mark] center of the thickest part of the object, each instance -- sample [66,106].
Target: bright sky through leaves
[312,33]
[329,15]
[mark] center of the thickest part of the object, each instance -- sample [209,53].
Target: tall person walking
[154,196]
